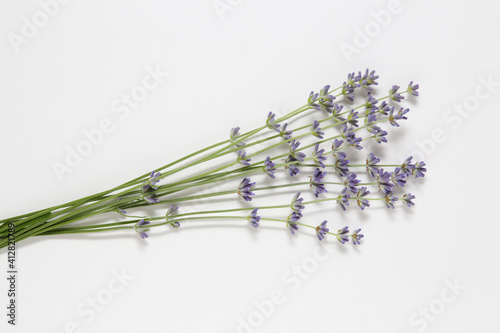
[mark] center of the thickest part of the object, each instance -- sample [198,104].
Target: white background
[231,69]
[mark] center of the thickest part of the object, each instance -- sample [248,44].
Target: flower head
[384,181]
[352,118]
[368,79]
[370,122]
[351,138]
[384,108]
[356,236]
[362,202]
[412,88]
[148,196]
[370,104]
[271,122]
[292,167]
[341,166]
[407,199]
[316,182]
[291,222]
[296,203]
[398,177]
[336,146]
[371,162]
[152,181]
[336,111]
[140,225]
[316,130]
[351,182]
[233,135]
[245,189]
[317,155]
[419,169]
[269,167]
[299,156]
[284,133]
[407,167]
[171,211]
[311,101]
[253,218]
[243,159]
[390,200]
[395,96]
[322,230]
[325,100]
[343,199]
[343,235]
[380,136]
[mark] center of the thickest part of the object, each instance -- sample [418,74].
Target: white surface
[264,55]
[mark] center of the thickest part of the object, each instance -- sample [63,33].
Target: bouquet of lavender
[271,154]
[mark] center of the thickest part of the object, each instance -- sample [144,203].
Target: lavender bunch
[295,158]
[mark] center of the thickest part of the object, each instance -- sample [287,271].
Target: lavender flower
[368,79]
[152,181]
[325,100]
[343,235]
[311,101]
[407,167]
[407,199]
[269,167]
[253,218]
[412,89]
[336,111]
[343,199]
[356,236]
[286,135]
[142,232]
[317,155]
[371,161]
[352,118]
[271,122]
[384,181]
[419,169]
[341,167]
[352,79]
[322,230]
[233,135]
[296,204]
[348,91]
[291,168]
[395,96]
[370,104]
[336,146]
[316,130]
[316,182]
[399,116]
[171,211]
[351,182]
[362,202]
[148,197]
[245,189]
[299,156]
[398,177]
[291,221]
[242,158]
[380,136]
[384,108]
[352,139]
[390,200]
[370,122]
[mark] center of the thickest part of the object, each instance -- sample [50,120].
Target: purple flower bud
[243,159]
[292,168]
[286,135]
[371,161]
[316,130]
[407,199]
[322,230]
[299,156]
[395,96]
[341,167]
[412,89]
[419,169]
[343,199]
[316,182]
[253,218]
[407,167]
[384,181]
[233,135]
[245,189]
[317,155]
[362,202]
[269,167]
[352,118]
[398,177]
[296,204]
[356,236]
[390,200]
[343,235]
[351,182]
[271,122]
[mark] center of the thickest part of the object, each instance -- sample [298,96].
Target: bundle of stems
[164,187]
